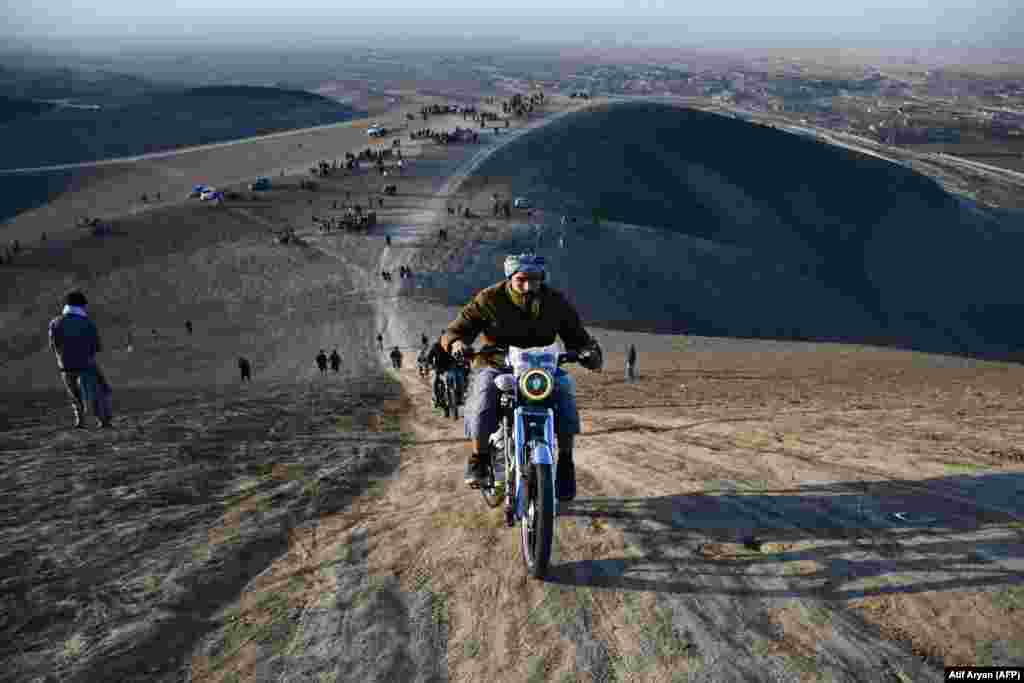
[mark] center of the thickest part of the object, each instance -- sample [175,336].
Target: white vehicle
[377,130]
[521,203]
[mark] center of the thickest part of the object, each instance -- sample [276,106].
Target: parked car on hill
[521,203]
[197,191]
[377,131]
[209,194]
[261,184]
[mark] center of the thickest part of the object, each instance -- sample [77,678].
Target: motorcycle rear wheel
[538,526]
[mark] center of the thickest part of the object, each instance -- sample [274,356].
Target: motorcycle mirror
[505,382]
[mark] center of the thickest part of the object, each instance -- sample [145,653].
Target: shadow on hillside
[861,533]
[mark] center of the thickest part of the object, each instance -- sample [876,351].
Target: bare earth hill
[760,233]
[750,509]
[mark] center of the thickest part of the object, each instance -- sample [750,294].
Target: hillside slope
[868,251]
[163,120]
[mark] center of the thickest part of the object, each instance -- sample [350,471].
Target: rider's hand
[592,358]
[458,348]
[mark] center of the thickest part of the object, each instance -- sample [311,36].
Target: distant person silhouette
[380,342]
[188,326]
[396,358]
[321,361]
[245,368]
[335,361]
[631,363]
[387,240]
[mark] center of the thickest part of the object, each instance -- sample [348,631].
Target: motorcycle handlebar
[567,357]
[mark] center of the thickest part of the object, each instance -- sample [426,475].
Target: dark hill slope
[927,272]
[161,121]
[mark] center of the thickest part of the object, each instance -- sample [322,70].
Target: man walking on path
[335,361]
[321,362]
[380,342]
[631,363]
[75,341]
[188,326]
[245,368]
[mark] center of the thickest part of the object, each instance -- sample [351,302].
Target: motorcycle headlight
[536,385]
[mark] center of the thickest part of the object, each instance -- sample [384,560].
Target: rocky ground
[748,509]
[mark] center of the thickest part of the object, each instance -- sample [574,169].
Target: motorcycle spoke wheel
[538,526]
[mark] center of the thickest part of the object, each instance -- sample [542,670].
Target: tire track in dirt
[726,609]
[803,516]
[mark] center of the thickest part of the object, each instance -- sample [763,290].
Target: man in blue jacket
[75,341]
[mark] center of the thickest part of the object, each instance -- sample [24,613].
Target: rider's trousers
[481,415]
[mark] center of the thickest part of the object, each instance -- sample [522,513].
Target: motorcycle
[448,394]
[523,464]
[423,367]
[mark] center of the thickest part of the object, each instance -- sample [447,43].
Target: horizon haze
[114,25]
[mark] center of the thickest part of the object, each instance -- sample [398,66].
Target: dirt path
[712,541]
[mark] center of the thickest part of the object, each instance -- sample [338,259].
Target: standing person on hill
[631,363]
[380,342]
[520,311]
[335,361]
[245,368]
[396,358]
[321,362]
[75,340]
[188,327]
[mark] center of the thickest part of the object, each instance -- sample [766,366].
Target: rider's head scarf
[524,263]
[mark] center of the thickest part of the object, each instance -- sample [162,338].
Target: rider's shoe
[476,471]
[565,478]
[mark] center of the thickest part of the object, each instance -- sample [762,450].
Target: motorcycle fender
[519,439]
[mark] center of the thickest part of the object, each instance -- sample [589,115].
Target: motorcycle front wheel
[538,526]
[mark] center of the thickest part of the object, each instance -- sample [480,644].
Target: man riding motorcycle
[443,364]
[520,311]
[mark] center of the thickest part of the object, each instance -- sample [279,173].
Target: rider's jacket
[439,359]
[494,315]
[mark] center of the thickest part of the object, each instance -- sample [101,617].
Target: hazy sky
[107,22]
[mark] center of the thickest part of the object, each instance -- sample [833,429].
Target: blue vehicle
[524,462]
[261,185]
